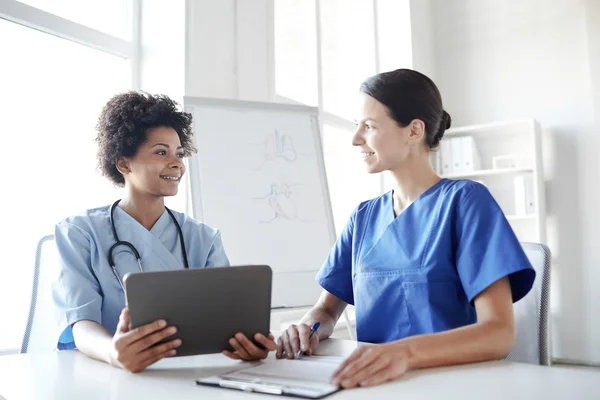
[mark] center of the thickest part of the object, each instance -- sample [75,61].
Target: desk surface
[71,375]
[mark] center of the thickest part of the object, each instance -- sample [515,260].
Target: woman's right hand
[295,339]
[132,349]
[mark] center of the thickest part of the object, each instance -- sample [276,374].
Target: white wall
[497,60]
[423,43]
[228,49]
[210,49]
[593,37]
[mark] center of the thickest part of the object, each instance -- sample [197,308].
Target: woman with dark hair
[142,141]
[432,266]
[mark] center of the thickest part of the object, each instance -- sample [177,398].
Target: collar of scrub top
[131,247]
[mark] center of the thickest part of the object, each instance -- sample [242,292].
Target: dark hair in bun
[410,95]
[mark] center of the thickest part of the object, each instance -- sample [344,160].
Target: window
[347,52]
[52,92]
[324,49]
[349,183]
[296,51]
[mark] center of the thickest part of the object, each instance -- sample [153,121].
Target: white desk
[71,375]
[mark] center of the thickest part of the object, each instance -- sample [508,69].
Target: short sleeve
[76,293]
[488,248]
[216,255]
[335,276]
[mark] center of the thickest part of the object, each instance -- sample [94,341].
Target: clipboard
[307,378]
[264,387]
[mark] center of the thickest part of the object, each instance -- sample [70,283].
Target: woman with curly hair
[142,141]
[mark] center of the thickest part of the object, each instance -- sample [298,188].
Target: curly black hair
[124,121]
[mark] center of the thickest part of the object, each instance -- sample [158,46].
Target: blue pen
[313,330]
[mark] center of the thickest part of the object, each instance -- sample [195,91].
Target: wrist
[108,354]
[404,350]
[107,357]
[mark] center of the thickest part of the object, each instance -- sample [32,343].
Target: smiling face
[384,145]
[158,166]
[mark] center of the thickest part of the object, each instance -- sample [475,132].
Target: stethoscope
[118,242]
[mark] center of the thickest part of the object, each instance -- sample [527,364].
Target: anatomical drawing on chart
[281,202]
[277,146]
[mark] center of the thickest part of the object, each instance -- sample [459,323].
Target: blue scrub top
[87,289]
[419,273]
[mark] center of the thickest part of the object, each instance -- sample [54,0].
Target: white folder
[446,156]
[457,155]
[438,161]
[470,155]
[524,200]
[529,199]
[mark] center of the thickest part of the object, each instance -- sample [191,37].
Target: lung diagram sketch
[277,146]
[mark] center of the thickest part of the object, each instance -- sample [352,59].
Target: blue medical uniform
[87,288]
[419,273]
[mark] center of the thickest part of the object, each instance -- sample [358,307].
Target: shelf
[481,128]
[529,217]
[488,172]
[520,138]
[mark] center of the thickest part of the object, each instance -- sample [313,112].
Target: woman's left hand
[372,365]
[248,351]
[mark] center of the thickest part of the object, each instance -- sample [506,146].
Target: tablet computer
[207,305]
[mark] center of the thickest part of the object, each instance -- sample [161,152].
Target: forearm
[93,340]
[490,340]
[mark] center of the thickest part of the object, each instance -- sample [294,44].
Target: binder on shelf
[457,156]
[470,155]
[524,198]
[438,161]
[504,161]
[529,195]
[446,157]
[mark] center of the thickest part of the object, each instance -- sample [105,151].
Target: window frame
[43,21]
[324,116]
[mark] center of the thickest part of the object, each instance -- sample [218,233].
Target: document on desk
[307,377]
